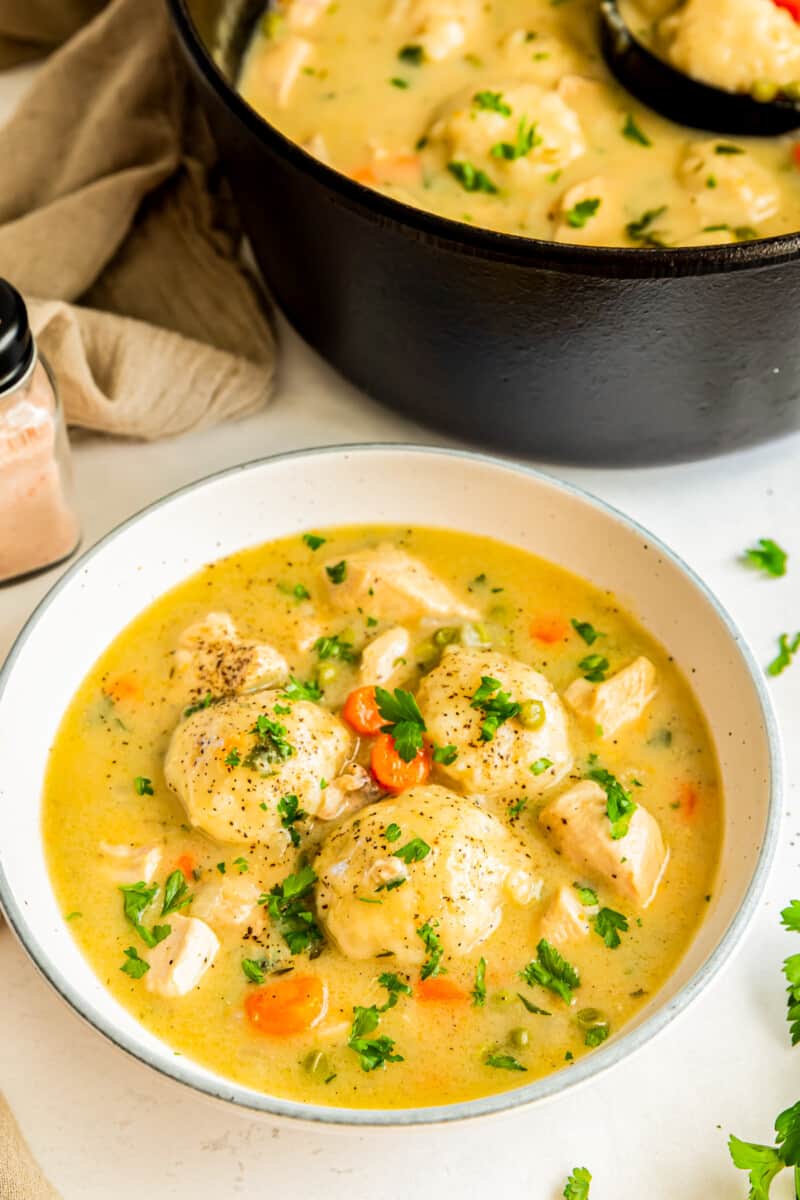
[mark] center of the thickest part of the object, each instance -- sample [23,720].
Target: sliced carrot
[361,711]
[440,990]
[124,687]
[186,863]
[549,629]
[791,6]
[288,1006]
[364,174]
[404,169]
[392,771]
[687,800]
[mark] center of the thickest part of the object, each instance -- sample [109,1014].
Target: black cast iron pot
[576,354]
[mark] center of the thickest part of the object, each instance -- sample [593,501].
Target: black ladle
[678,97]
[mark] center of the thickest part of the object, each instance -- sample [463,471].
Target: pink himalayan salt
[37,525]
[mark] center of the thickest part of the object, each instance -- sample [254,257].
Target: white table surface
[103,1125]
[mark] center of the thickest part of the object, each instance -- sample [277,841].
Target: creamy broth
[111,819]
[503,115]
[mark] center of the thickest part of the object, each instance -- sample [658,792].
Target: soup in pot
[382,817]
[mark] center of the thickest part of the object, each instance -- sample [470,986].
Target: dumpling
[734,43]
[461,867]
[232,762]
[728,187]
[439,27]
[389,583]
[518,760]
[212,658]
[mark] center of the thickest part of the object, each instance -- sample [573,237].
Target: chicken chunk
[130,864]
[733,43]
[387,582]
[564,918]
[503,765]
[616,701]
[302,14]
[233,762]
[179,962]
[352,789]
[212,658]
[466,867]
[272,76]
[440,27]
[578,825]
[229,902]
[727,186]
[386,659]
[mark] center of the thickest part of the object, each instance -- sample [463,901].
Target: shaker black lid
[16,340]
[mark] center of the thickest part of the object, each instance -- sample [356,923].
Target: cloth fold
[114,205]
[20,1177]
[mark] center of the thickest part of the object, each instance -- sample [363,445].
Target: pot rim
[186,1071]
[458,237]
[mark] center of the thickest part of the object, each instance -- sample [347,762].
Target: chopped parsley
[608,925]
[142,786]
[504,1062]
[335,647]
[541,765]
[397,82]
[768,557]
[472,178]
[314,541]
[413,851]
[586,895]
[392,832]
[620,806]
[642,231]
[594,667]
[73,916]
[445,755]
[433,944]
[175,896]
[135,966]
[252,970]
[403,719]
[286,905]
[526,139]
[634,133]
[479,988]
[550,970]
[270,747]
[206,702]
[295,690]
[577,1186]
[372,1052]
[233,758]
[391,885]
[533,1008]
[299,591]
[518,807]
[495,704]
[788,647]
[583,211]
[763,1163]
[790,919]
[338,572]
[241,864]
[727,148]
[586,631]
[290,813]
[492,102]
[221,868]
[414,55]
[395,986]
[136,898]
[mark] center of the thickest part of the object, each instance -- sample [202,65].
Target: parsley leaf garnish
[445,755]
[299,591]
[550,970]
[392,832]
[533,1008]
[290,812]
[479,989]
[594,667]
[495,704]
[577,1186]
[620,806]
[338,572]
[135,966]
[471,178]
[595,1035]
[241,864]
[788,647]
[142,786]
[541,765]
[206,702]
[433,944]
[526,139]
[404,721]
[727,148]
[504,1062]
[252,970]
[642,231]
[587,631]
[790,918]
[763,1163]
[413,851]
[295,690]
[175,896]
[233,758]
[335,647]
[518,807]
[295,921]
[270,747]
[492,102]
[587,895]
[372,1052]
[314,541]
[583,211]
[633,133]
[136,898]
[414,55]
[608,925]
[395,986]
[768,557]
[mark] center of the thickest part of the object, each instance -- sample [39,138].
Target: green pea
[589,1017]
[326,673]
[532,714]
[426,654]
[446,636]
[764,91]
[317,1064]
[519,1037]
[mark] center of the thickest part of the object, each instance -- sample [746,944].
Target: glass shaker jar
[38,526]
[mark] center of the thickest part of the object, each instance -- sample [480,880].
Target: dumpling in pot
[525,754]
[430,857]
[233,762]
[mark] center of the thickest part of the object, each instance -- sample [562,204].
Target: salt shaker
[38,525]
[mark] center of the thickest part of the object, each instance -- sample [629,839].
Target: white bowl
[155,550]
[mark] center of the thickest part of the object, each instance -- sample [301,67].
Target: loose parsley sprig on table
[620,805]
[767,556]
[552,971]
[403,719]
[763,1163]
[788,647]
[577,1186]
[790,919]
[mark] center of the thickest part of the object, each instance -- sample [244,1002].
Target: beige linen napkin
[111,203]
[20,1177]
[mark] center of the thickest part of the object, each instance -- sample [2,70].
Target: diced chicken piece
[354,787]
[592,211]
[387,582]
[503,765]
[440,27]
[618,700]
[212,658]
[473,868]
[386,660]
[231,775]
[132,864]
[228,902]
[727,186]
[179,962]
[272,76]
[733,43]
[578,825]
[302,14]
[564,919]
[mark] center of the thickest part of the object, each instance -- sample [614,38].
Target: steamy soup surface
[502,113]
[383,817]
